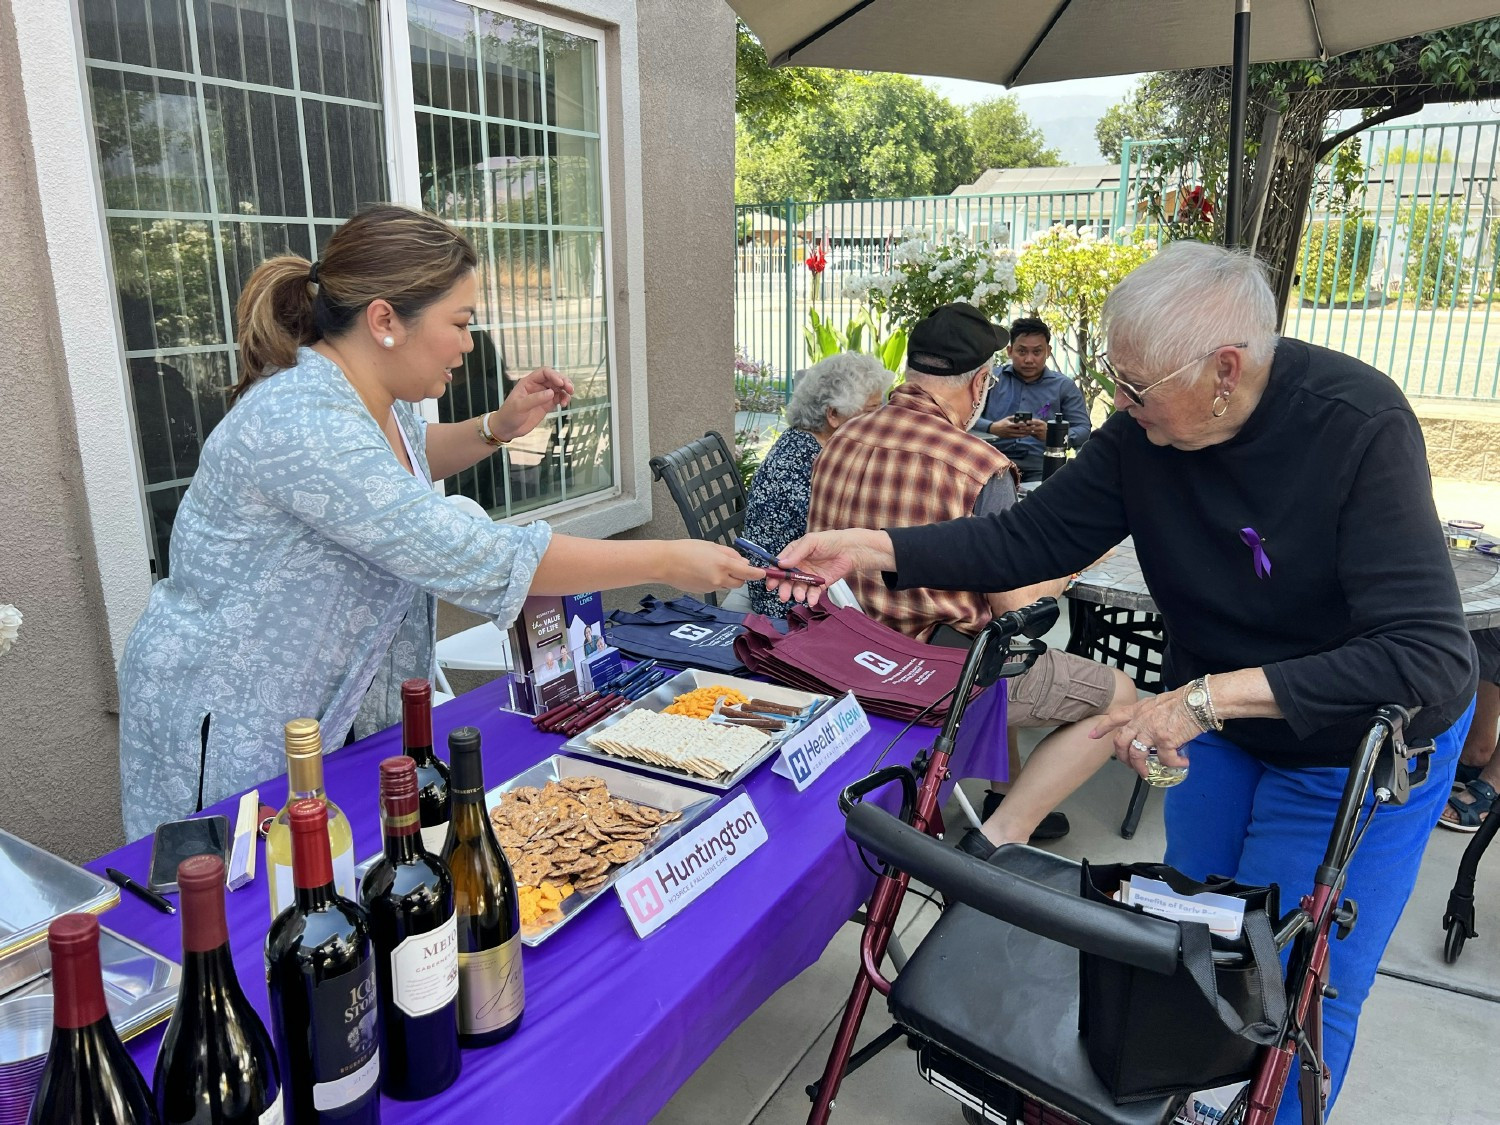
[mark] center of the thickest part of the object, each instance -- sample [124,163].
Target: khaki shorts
[1059,688]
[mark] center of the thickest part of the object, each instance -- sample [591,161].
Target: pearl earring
[389,341]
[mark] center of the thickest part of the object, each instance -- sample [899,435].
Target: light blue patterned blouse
[304,566]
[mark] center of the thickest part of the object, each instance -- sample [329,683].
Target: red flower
[1194,206]
[817,261]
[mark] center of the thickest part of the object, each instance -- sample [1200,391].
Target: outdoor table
[614,1024]
[1116,582]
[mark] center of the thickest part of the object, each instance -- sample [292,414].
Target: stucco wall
[58,750]
[687,143]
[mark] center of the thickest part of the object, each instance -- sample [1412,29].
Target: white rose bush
[929,270]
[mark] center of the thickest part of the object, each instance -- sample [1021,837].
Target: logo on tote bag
[880,665]
[693,633]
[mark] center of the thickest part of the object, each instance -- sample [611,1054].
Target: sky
[962,92]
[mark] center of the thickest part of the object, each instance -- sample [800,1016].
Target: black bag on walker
[1149,1035]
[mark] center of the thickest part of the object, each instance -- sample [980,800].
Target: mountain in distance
[1067,121]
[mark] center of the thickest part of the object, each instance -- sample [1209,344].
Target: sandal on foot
[1470,814]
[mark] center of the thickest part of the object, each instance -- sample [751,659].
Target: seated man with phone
[913,462]
[1026,396]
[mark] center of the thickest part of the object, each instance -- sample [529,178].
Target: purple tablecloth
[614,1024]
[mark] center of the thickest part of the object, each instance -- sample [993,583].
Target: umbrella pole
[1239,99]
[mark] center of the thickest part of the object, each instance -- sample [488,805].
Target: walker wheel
[1454,945]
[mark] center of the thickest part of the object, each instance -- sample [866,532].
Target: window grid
[185,203]
[483,87]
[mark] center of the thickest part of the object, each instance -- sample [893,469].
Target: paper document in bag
[1222,914]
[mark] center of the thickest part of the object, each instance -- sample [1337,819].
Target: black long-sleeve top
[1360,607]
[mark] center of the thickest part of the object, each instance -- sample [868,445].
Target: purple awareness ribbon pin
[1253,540]
[1045,412]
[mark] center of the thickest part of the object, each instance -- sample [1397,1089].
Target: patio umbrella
[1023,42]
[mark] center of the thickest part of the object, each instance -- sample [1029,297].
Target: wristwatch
[1201,705]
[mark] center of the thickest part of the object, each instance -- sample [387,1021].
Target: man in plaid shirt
[913,462]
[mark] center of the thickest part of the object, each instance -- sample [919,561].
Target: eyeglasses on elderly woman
[1136,394]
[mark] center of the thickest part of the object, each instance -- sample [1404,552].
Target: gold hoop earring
[1220,405]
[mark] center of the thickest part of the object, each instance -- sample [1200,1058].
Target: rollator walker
[990,998]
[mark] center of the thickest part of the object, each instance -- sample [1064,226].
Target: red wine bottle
[432,771]
[320,973]
[88,1079]
[491,993]
[216,1065]
[408,895]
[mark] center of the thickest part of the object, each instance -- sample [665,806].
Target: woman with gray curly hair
[826,396]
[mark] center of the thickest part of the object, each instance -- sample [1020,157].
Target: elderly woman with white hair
[826,396]
[1281,507]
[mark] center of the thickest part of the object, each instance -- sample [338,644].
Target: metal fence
[1400,270]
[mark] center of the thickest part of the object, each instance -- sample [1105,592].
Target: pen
[781,575]
[120,879]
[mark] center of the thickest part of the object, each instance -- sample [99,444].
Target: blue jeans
[1235,815]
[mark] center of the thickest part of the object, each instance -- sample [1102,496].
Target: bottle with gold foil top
[304,776]
[491,994]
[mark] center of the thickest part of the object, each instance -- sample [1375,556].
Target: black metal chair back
[705,485]
[1132,641]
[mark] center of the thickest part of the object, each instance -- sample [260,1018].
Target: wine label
[424,970]
[433,838]
[273,1115]
[284,891]
[491,992]
[346,1038]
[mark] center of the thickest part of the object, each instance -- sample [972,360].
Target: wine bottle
[216,1065]
[491,994]
[88,1078]
[304,777]
[432,771]
[408,895]
[320,973]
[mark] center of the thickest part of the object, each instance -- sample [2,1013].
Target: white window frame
[54,81]
[628,503]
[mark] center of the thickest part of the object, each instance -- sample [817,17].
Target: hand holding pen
[772,565]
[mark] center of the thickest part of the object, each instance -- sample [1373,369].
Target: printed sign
[818,745]
[657,891]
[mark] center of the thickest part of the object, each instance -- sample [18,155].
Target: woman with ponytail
[309,550]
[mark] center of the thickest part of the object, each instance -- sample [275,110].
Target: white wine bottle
[491,994]
[304,777]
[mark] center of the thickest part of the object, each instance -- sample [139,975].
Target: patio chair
[705,485]
[1132,641]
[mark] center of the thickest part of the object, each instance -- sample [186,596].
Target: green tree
[1141,114]
[1294,104]
[871,136]
[765,94]
[1004,136]
[1400,154]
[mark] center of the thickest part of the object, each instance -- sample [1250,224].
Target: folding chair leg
[1132,819]
[441,680]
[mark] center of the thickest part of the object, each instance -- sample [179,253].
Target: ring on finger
[1137,744]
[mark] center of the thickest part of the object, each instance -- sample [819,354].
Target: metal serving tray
[35,887]
[140,988]
[693,804]
[661,698]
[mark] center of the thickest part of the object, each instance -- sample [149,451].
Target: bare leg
[1061,762]
[1479,747]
